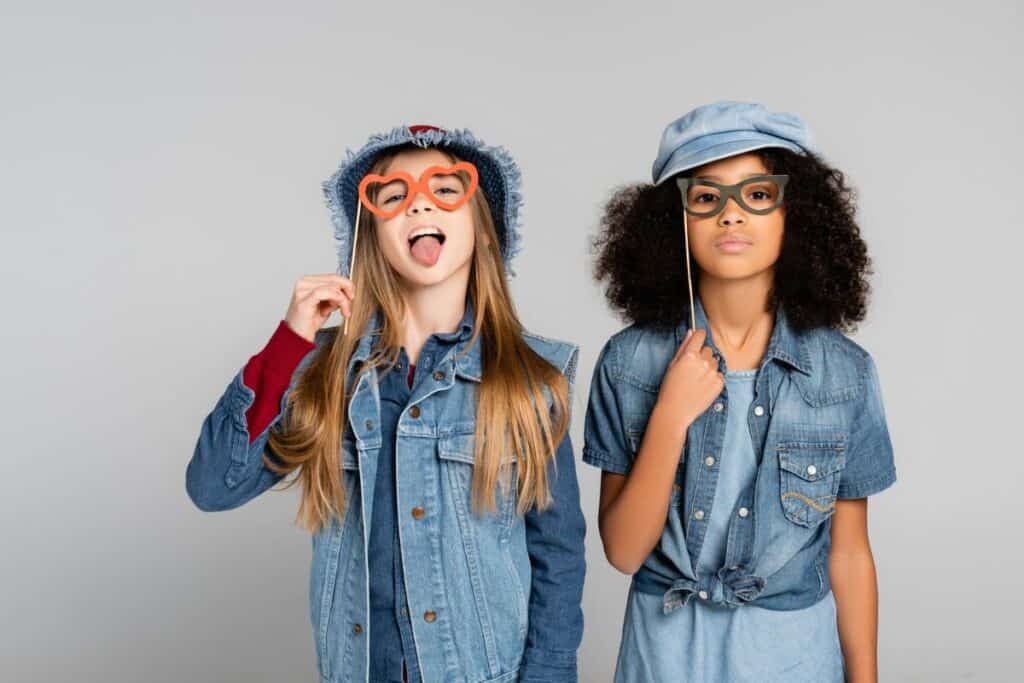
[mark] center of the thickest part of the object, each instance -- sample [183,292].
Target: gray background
[160,175]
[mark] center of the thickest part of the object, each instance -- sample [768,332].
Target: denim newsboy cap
[724,129]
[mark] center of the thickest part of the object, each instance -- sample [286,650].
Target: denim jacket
[818,427]
[468,576]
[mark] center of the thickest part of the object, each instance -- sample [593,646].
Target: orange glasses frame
[417,186]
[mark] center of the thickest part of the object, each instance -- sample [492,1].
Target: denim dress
[705,641]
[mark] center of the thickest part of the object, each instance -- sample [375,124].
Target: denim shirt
[819,432]
[492,597]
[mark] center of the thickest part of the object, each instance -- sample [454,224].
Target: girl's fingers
[694,340]
[325,294]
[312,281]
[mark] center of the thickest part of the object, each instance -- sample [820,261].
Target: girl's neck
[432,309]
[739,324]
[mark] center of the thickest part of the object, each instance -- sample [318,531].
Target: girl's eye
[705,197]
[760,195]
[392,198]
[446,190]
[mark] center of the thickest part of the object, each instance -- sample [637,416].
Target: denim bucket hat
[724,129]
[499,180]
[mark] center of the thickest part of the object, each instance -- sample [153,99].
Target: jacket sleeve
[555,543]
[227,469]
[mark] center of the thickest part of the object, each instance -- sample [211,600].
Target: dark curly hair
[821,276]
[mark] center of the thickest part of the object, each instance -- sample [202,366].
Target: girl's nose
[420,203]
[731,214]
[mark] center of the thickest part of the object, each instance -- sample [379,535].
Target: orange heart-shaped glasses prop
[413,187]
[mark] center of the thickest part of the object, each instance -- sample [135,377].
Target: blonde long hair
[512,414]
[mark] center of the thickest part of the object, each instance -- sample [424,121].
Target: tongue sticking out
[426,250]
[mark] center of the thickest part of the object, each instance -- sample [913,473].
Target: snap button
[414,411]
[418,512]
[812,470]
[758,410]
[357,629]
[719,407]
[744,512]
[438,375]
[699,514]
[703,595]
[709,461]
[368,424]
[429,616]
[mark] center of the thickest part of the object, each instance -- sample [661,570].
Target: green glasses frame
[734,191]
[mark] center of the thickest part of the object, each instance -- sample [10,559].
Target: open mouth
[425,244]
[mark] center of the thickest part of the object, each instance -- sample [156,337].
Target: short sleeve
[604,434]
[869,461]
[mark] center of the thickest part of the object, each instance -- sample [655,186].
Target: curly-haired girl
[738,429]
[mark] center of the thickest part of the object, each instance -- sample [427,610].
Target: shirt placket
[740,540]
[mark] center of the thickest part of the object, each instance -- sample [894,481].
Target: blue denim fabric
[819,432]
[391,639]
[499,604]
[714,642]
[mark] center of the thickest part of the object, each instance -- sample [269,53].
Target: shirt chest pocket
[810,469]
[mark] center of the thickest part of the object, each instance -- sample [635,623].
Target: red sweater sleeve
[269,372]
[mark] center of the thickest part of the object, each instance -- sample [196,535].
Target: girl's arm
[227,469]
[852,573]
[634,506]
[227,466]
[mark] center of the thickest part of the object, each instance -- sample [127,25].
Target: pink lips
[732,245]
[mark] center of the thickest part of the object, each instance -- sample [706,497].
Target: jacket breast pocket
[810,468]
[458,462]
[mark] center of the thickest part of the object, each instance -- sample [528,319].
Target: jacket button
[699,514]
[438,375]
[744,512]
[429,616]
[418,512]
[718,407]
[357,629]
[812,470]
[368,424]
[709,461]
[414,411]
[758,410]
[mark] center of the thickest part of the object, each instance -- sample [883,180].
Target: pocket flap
[456,447]
[812,463]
